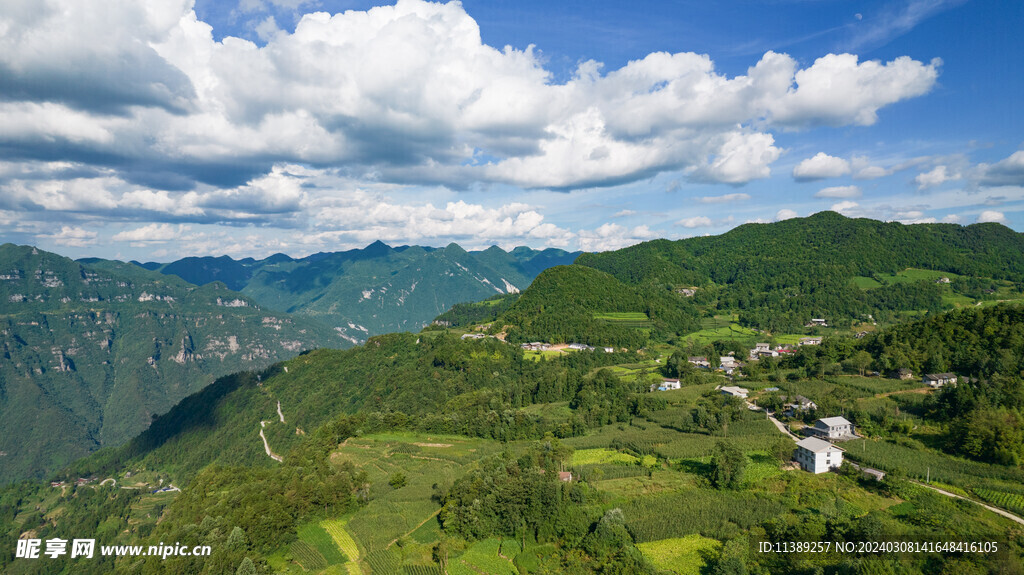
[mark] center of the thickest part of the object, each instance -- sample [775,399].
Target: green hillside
[778,276]
[92,352]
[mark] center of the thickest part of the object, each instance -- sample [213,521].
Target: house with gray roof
[817,455]
[832,429]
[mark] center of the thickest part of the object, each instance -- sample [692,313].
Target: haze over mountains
[374,290]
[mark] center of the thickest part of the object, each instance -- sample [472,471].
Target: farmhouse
[816,322]
[799,403]
[666,385]
[942,280]
[699,361]
[735,391]
[810,341]
[832,428]
[903,374]
[817,455]
[936,380]
[580,347]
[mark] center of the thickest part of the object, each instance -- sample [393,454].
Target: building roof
[834,421]
[733,390]
[817,445]
[939,375]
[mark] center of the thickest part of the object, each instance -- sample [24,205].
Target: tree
[727,465]
[247,567]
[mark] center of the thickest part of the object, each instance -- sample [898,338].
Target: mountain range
[93,350]
[374,290]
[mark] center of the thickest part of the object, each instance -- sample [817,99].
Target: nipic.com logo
[86,549]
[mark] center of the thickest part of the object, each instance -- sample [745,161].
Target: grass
[680,555]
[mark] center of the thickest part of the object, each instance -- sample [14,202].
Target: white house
[666,385]
[936,380]
[816,322]
[810,341]
[833,428]
[817,455]
[735,391]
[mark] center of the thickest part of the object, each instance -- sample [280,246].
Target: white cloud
[785,214]
[724,199]
[821,166]
[838,90]
[1006,172]
[939,175]
[845,208]
[951,219]
[151,233]
[839,192]
[613,237]
[623,213]
[695,222]
[72,236]
[871,173]
[408,91]
[992,216]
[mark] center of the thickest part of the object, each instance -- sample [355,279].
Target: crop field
[626,319]
[315,536]
[696,511]
[681,555]
[482,557]
[1013,502]
[600,455]
[911,275]
[919,462]
[731,331]
[336,529]
[308,556]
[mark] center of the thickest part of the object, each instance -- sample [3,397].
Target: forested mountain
[778,276]
[377,289]
[92,351]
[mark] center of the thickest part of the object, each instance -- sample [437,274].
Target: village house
[832,428]
[903,373]
[580,347]
[729,364]
[735,391]
[937,380]
[609,350]
[810,341]
[699,361]
[942,280]
[798,404]
[535,346]
[686,292]
[816,322]
[565,476]
[763,350]
[666,385]
[473,336]
[817,455]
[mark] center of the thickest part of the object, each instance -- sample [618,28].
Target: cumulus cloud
[613,237]
[151,233]
[935,177]
[406,93]
[819,167]
[785,214]
[992,216]
[72,236]
[839,192]
[695,222]
[846,208]
[1006,172]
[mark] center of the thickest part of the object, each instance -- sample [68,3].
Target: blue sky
[257,126]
